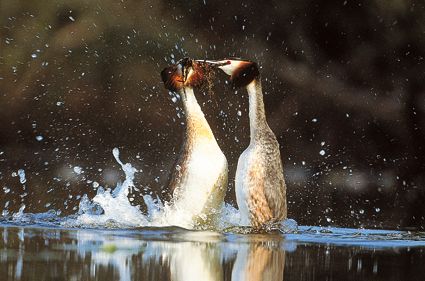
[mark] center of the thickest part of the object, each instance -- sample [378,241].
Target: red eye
[228,62]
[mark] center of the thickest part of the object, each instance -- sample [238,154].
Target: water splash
[112,208]
[20,214]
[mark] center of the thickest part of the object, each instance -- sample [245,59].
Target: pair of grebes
[199,179]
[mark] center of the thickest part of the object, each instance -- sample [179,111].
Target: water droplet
[21,174]
[78,170]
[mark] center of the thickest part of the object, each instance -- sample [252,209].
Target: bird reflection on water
[174,254]
[171,253]
[259,262]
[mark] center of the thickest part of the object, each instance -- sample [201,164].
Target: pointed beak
[214,63]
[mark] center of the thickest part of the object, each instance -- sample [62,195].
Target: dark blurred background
[343,83]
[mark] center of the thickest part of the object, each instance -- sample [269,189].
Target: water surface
[41,252]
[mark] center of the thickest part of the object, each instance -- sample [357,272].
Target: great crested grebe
[199,179]
[259,183]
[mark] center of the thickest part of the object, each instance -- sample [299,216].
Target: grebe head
[241,72]
[185,73]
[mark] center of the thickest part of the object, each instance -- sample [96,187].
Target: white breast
[205,166]
[241,185]
[201,187]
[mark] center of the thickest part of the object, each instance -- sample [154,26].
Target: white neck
[257,117]
[190,104]
[195,118]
